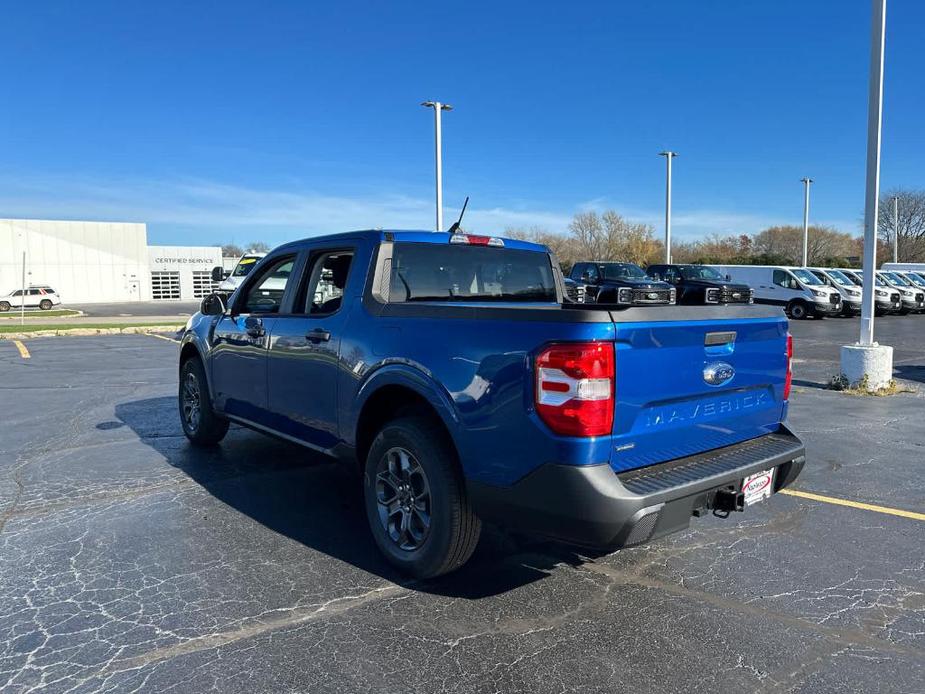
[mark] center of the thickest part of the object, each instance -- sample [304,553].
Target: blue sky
[219,121]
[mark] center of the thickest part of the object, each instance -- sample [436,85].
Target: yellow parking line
[855,504]
[162,337]
[23,352]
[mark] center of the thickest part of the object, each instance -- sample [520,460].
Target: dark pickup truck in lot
[701,284]
[620,284]
[447,370]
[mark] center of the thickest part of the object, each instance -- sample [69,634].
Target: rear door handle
[318,335]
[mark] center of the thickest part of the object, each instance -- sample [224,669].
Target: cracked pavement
[132,562]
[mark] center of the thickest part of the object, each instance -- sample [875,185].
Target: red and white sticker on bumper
[758,486]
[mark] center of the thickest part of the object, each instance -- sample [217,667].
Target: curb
[127,330]
[14,314]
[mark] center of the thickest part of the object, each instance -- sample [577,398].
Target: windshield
[700,272]
[623,271]
[839,277]
[897,279]
[436,272]
[881,280]
[806,277]
[916,279]
[244,266]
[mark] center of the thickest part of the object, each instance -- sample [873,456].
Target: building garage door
[165,285]
[203,284]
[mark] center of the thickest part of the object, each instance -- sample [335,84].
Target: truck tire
[4,306]
[201,424]
[416,500]
[45,305]
[798,310]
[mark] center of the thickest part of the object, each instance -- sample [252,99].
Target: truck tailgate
[685,387]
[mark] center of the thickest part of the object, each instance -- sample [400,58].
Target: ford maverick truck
[451,374]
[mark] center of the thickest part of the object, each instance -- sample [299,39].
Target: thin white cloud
[215,211]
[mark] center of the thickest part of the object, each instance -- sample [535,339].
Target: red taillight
[575,388]
[789,380]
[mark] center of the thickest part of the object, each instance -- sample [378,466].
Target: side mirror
[218,273]
[212,305]
[657,277]
[729,278]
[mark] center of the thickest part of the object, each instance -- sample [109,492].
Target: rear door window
[323,291]
[453,273]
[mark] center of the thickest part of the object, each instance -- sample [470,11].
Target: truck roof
[406,236]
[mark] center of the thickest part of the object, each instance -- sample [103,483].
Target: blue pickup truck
[449,372]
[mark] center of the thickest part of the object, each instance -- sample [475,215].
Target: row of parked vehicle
[803,292]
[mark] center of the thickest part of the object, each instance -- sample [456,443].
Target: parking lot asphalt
[130,561]
[138,309]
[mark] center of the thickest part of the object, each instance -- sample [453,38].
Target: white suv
[42,297]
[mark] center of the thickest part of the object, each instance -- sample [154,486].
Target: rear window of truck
[434,272]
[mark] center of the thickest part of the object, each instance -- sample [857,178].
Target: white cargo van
[913,298]
[850,294]
[907,267]
[798,291]
[886,299]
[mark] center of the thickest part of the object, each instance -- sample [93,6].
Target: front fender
[193,339]
[412,376]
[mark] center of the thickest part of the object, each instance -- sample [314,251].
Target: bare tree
[823,245]
[560,244]
[230,250]
[258,247]
[631,242]
[586,233]
[911,224]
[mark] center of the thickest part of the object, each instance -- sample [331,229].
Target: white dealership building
[94,262]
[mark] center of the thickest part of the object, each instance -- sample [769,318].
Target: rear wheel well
[386,404]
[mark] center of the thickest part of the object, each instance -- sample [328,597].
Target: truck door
[239,351]
[304,350]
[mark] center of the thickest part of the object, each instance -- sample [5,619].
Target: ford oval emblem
[718,373]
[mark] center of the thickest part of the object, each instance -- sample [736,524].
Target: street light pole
[872,198]
[438,154]
[806,182]
[867,364]
[668,157]
[22,298]
[895,228]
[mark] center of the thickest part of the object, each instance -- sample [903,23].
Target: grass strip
[62,327]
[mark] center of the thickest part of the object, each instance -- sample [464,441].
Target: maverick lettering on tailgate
[715,407]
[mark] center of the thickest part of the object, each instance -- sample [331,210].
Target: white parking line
[163,337]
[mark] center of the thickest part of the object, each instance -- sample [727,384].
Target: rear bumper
[592,506]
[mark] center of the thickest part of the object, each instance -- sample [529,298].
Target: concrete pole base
[873,361]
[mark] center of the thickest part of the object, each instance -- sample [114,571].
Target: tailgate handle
[713,339]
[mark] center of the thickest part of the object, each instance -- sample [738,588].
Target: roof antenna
[455,228]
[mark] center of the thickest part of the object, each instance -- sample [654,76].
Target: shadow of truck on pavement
[318,502]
